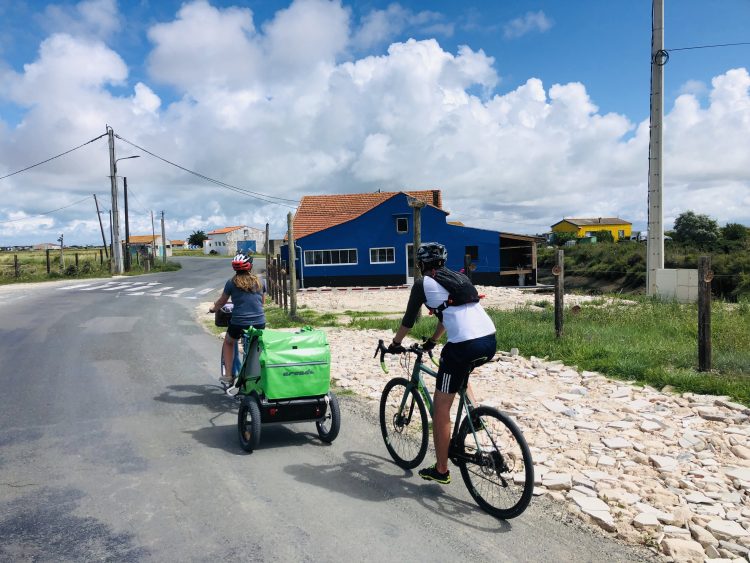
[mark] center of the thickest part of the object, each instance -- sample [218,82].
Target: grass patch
[652,343]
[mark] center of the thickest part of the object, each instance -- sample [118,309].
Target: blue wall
[377,229]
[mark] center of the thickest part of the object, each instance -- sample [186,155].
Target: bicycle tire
[500,478]
[407,439]
[329,426]
[248,424]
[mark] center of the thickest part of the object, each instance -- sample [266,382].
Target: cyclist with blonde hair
[247,292]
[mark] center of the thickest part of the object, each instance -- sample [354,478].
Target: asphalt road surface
[117,444]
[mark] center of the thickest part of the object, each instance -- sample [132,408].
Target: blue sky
[166,76]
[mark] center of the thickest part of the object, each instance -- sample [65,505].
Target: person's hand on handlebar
[395,348]
[428,345]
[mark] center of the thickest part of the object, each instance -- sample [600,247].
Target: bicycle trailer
[286,377]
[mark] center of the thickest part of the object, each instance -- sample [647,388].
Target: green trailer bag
[285,365]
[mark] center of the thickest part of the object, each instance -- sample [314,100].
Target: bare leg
[228,352]
[441,427]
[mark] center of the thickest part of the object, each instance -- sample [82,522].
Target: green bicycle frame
[417,382]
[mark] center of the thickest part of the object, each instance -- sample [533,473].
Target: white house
[224,241]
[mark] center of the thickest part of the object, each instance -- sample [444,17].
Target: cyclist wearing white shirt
[471,342]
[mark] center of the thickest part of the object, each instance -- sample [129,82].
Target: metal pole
[163,241]
[655,242]
[292,267]
[705,275]
[127,224]
[111,246]
[116,248]
[101,227]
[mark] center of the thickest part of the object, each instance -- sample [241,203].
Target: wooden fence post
[76,260]
[284,289]
[48,270]
[559,271]
[278,280]
[15,265]
[101,257]
[705,275]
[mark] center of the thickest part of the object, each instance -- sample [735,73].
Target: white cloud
[89,17]
[378,27]
[252,111]
[528,23]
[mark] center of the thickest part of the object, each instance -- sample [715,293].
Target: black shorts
[458,359]
[237,331]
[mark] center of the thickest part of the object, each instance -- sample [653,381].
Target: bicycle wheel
[406,433]
[496,463]
[248,424]
[328,427]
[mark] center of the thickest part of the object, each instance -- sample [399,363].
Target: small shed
[518,259]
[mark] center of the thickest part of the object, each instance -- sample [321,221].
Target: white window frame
[356,257]
[386,248]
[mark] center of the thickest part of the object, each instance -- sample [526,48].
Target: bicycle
[486,444]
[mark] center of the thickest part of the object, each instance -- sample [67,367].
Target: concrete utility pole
[163,241]
[116,248]
[417,206]
[62,257]
[655,243]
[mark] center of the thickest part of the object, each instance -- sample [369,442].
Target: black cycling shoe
[432,474]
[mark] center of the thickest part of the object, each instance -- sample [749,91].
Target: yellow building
[619,228]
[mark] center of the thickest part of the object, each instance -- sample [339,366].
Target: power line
[257,195]
[709,46]
[46,212]
[52,158]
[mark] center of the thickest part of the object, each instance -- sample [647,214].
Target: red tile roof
[318,212]
[225,230]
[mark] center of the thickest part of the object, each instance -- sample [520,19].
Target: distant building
[619,228]
[229,240]
[148,245]
[180,244]
[46,246]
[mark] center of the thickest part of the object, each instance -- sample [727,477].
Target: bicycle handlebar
[415,348]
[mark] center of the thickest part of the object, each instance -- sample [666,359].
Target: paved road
[115,444]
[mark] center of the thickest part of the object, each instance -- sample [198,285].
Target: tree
[734,231]
[690,227]
[197,238]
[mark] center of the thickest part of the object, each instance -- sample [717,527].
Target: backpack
[460,289]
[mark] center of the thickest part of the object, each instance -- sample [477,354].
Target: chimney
[436,198]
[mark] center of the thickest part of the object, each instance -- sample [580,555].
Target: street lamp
[117,265]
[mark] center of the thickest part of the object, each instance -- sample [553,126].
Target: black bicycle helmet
[432,254]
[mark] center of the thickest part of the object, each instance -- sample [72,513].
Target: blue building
[367,239]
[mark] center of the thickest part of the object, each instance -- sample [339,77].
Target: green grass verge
[652,343]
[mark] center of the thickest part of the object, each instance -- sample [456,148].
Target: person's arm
[439,332]
[219,303]
[416,300]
